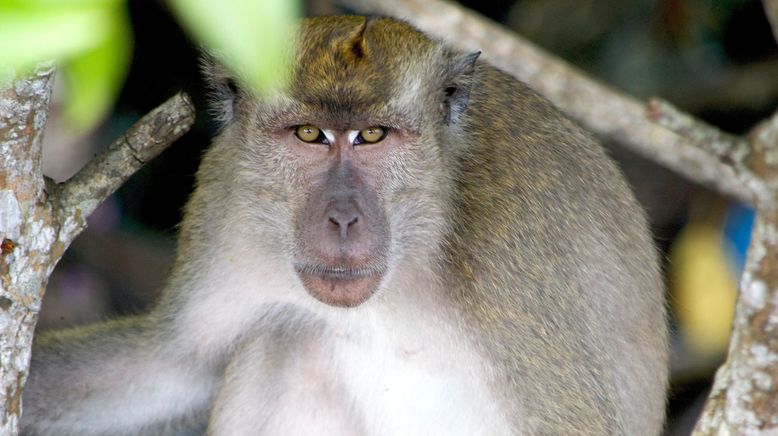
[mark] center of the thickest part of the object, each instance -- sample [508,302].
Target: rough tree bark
[39,219]
[28,236]
[744,400]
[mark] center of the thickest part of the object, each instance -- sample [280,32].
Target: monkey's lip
[341,286]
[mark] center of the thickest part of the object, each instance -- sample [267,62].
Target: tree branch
[104,174]
[39,219]
[609,114]
[743,400]
[23,114]
[731,150]
[26,232]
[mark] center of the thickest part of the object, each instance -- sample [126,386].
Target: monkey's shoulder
[519,146]
[508,114]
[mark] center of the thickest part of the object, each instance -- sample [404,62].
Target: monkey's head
[344,171]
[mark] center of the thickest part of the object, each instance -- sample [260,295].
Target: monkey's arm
[119,378]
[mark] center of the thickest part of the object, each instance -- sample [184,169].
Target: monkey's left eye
[308,133]
[370,135]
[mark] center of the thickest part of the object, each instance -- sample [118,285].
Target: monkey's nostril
[343,221]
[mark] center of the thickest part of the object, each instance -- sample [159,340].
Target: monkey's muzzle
[341,287]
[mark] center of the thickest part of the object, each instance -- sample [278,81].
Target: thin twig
[105,173]
[734,151]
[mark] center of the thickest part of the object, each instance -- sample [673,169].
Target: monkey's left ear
[457,86]
[223,87]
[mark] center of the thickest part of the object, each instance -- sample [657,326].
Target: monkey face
[347,161]
[354,215]
[342,233]
[362,190]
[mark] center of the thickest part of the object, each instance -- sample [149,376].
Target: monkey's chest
[386,384]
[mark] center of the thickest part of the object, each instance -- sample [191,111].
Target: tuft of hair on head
[354,47]
[222,85]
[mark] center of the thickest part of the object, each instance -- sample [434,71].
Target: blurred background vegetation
[716,59]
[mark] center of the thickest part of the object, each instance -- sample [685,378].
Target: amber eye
[372,134]
[308,133]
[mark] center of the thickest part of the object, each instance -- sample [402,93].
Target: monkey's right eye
[308,133]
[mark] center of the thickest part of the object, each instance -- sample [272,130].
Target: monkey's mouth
[340,286]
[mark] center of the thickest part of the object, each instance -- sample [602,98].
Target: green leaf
[251,36]
[90,39]
[31,36]
[68,4]
[94,77]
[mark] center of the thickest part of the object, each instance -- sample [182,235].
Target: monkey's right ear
[223,87]
[457,86]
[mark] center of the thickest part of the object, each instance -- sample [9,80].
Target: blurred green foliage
[250,36]
[91,42]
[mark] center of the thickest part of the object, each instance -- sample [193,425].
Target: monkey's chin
[340,289]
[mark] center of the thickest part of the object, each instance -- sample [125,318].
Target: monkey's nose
[343,220]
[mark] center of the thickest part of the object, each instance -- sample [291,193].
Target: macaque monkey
[403,240]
